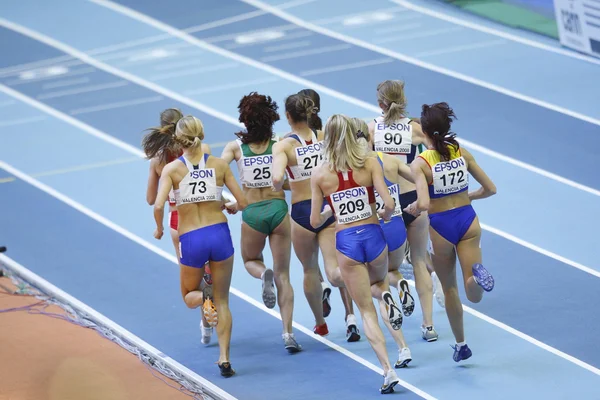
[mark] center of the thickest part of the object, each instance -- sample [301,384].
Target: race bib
[394,138]
[308,158]
[395,193]
[450,176]
[256,171]
[200,185]
[351,205]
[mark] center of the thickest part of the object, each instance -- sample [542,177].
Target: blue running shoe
[461,353]
[483,277]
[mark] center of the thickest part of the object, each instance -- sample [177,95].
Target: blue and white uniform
[209,243]
[394,230]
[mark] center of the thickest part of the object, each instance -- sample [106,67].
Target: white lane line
[464,47]
[117,228]
[411,60]
[63,83]
[344,67]
[219,88]
[53,291]
[195,71]
[223,116]
[118,104]
[515,38]
[103,136]
[287,46]
[76,72]
[311,52]
[21,121]
[320,88]
[87,89]
[416,35]
[85,167]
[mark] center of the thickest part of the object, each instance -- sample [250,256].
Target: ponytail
[436,121]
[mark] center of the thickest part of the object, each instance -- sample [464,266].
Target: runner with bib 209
[267,213]
[348,179]
[395,134]
[441,174]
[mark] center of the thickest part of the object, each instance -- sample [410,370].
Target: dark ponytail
[436,121]
[314,121]
[160,141]
[258,113]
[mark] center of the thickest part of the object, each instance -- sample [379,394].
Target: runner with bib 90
[395,236]
[441,176]
[347,179]
[203,230]
[267,213]
[395,134]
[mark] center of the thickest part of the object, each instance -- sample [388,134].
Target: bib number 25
[261,173]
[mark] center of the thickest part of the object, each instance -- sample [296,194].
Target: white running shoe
[404,357]
[389,381]
[206,333]
[268,288]
[438,291]
[428,333]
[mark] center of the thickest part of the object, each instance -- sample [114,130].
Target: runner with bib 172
[441,174]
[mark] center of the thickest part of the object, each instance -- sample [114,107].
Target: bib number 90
[390,138]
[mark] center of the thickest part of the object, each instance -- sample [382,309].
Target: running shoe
[208,307]
[207,274]
[407,254]
[404,357]
[389,381]
[438,291]
[352,332]
[428,333]
[483,277]
[394,313]
[406,299]
[207,332]
[321,330]
[326,302]
[268,288]
[226,369]
[289,341]
[461,352]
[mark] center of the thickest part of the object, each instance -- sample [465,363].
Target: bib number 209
[351,207]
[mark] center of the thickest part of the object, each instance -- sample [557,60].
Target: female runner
[160,149]
[299,153]
[267,213]
[395,237]
[203,230]
[394,133]
[441,176]
[346,179]
[352,332]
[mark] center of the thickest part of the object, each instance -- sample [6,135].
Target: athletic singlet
[173,194]
[394,190]
[395,139]
[200,184]
[255,169]
[449,177]
[351,202]
[308,157]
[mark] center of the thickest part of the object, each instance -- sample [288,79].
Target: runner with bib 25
[267,213]
[347,179]
[442,177]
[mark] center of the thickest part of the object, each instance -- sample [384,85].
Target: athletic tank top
[173,194]
[395,139]
[200,184]
[308,157]
[351,202]
[449,177]
[255,169]
[394,190]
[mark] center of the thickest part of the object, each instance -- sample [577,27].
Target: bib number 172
[450,178]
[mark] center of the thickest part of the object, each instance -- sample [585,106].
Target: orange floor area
[44,358]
